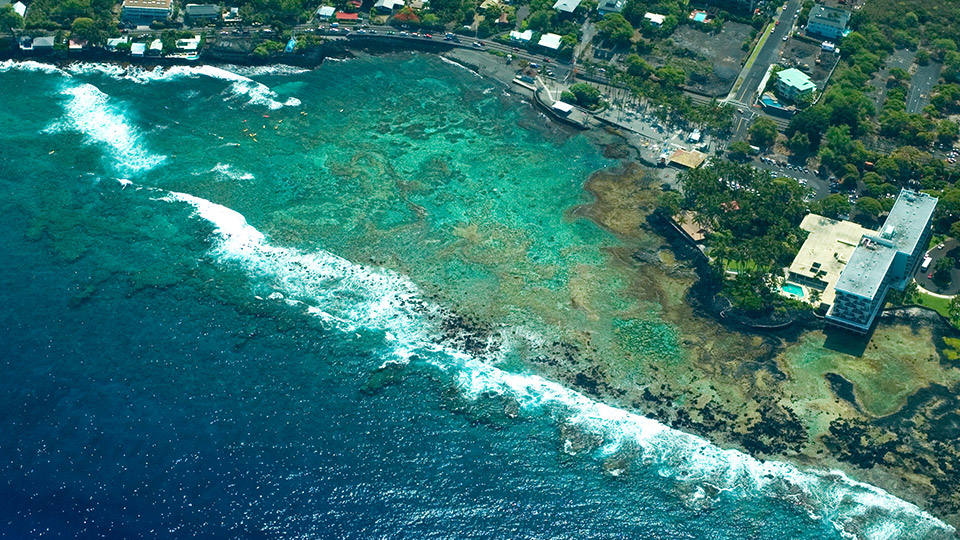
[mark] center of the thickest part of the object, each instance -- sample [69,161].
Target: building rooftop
[389,4]
[562,107]
[907,220]
[901,231]
[829,16]
[867,269]
[826,250]
[566,6]
[655,18]
[796,78]
[611,6]
[154,4]
[550,41]
[690,159]
[327,11]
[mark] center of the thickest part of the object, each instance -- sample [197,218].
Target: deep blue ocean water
[169,373]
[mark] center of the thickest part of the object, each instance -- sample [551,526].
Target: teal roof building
[794,84]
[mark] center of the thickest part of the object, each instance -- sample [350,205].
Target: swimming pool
[700,17]
[793,289]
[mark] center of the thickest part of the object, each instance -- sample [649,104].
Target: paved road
[768,54]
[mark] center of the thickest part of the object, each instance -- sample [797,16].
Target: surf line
[357,296]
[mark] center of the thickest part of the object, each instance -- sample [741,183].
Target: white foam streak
[341,292]
[89,111]
[352,296]
[459,65]
[258,93]
[29,65]
[227,171]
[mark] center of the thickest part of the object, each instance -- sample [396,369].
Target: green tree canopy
[832,206]
[615,29]
[869,206]
[9,19]
[763,132]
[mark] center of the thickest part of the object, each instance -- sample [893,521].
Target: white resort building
[884,261]
[853,267]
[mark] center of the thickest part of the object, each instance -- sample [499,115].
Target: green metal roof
[797,79]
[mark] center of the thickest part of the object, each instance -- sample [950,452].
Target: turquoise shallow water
[228,315]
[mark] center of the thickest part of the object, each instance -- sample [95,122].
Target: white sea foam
[89,111]
[352,296]
[273,69]
[28,65]
[226,170]
[241,86]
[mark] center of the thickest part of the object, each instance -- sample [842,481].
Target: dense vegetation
[876,145]
[752,223]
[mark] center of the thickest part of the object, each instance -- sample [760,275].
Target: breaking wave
[226,170]
[29,65]
[89,111]
[350,296]
[240,85]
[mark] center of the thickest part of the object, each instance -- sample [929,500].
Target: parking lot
[819,187]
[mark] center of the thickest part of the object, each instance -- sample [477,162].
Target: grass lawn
[941,305]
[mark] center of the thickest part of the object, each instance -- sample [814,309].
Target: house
[138,49]
[656,20]
[145,11]
[388,6]
[521,37]
[794,84]
[43,43]
[347,17]
[112,43]
[550,41]
[156,48]
[610,6]
[20,8]
[827,21]
[325,12]
[76,44]
[566,6]
[193,13]
[884,261]
[26,43]
[232,16]
[189,44]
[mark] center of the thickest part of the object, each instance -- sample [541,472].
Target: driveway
[950,249]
